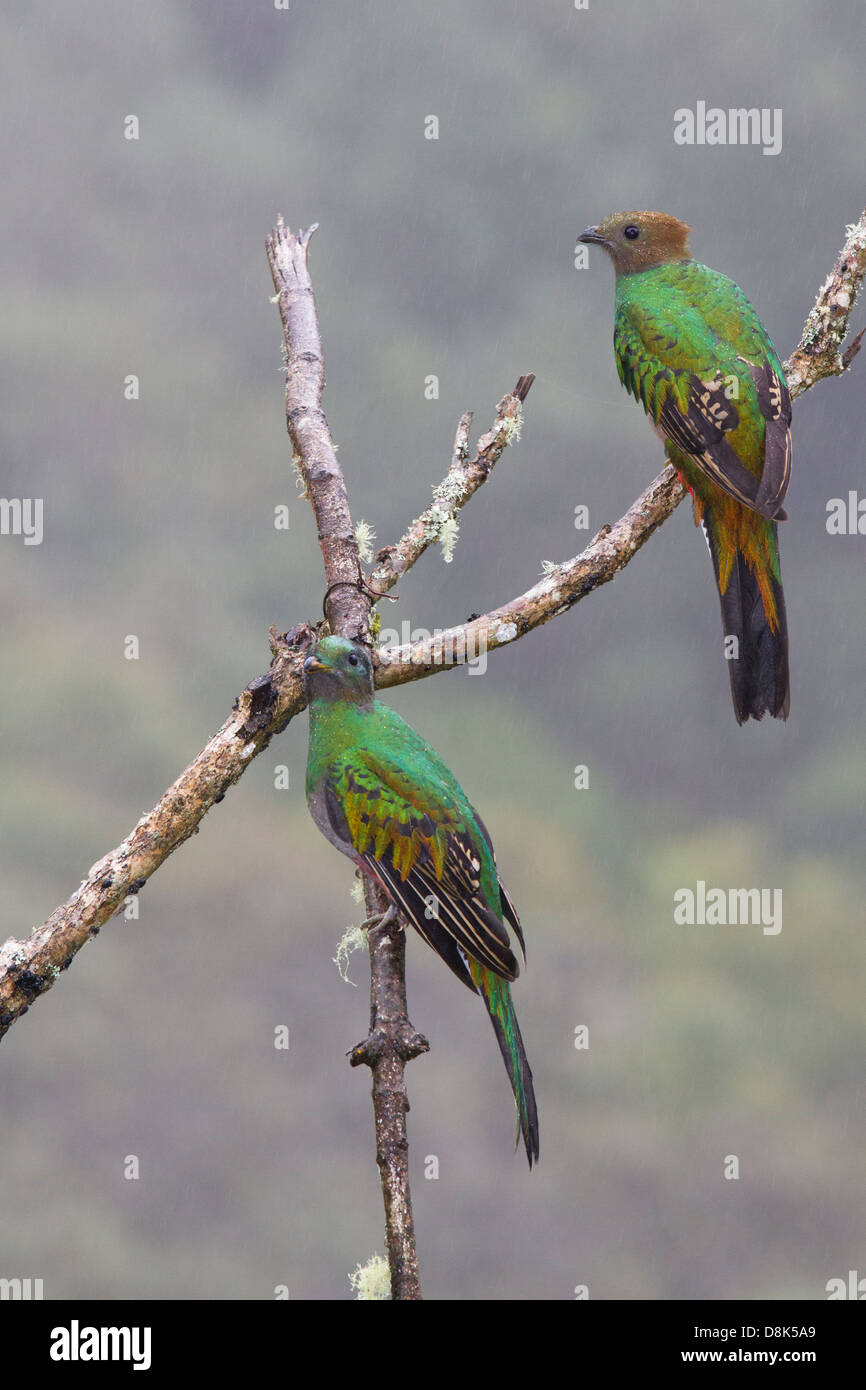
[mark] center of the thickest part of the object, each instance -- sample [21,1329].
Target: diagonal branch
[559,590]
[818,354]
[30,967]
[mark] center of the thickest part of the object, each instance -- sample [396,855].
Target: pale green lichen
[448,533]
[512,426]
[441,524]
[449,492]
[548,567]
[372,1280]
[353,939]
[365,536]
[855,232]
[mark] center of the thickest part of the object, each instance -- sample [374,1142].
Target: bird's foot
[381,919]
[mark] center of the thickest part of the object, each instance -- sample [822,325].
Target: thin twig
[463,479]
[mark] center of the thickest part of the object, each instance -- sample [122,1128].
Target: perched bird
[379,793]
[691,348]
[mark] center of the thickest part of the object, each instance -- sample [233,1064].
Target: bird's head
[640,240]
[337,669]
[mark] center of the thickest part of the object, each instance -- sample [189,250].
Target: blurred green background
[451,257]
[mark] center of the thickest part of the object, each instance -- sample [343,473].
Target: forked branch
[30,966]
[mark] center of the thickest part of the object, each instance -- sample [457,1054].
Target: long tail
[753,612]
[496,994]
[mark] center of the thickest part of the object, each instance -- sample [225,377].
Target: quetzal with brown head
[383,797]
[691,348]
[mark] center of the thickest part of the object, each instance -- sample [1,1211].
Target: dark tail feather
[759,670]
[496,994]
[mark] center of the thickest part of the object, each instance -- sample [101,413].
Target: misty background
[452,257]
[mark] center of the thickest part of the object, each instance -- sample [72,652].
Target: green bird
[690,347]
[381,794]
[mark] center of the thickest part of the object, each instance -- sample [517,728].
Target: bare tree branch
[30,966]
[392,1040]
[818,353]
[348,608]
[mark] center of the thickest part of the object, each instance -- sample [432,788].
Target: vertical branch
[391,1043]
[347,606]
[392,1040]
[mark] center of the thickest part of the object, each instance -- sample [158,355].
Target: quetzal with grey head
[691,348]
[383,797]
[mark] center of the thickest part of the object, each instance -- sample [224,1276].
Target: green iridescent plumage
[690,347]
[383,797]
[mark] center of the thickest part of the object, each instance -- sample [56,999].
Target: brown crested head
[640,240]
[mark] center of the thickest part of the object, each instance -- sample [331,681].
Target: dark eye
[353,658]
[631,231]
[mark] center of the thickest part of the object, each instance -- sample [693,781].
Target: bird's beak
[592,234]
[313,663]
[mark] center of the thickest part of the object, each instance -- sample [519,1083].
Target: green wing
[710,380]
[412,834]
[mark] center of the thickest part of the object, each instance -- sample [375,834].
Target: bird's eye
[353,658]
[631,231]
